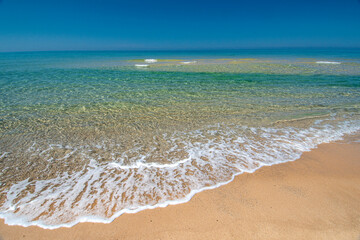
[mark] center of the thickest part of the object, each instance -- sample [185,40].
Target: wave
[150,60]
[100,192]
[189,62]
[141,65]
[327,62]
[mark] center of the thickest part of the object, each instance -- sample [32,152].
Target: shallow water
[87,136]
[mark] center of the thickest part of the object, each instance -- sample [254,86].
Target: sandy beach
[158,120]
[314,197]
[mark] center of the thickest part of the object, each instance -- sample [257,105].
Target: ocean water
[87,136]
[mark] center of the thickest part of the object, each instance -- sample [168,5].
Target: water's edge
[94,219]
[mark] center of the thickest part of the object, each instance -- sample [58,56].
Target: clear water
[87,136]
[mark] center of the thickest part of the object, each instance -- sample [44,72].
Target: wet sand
[315,197]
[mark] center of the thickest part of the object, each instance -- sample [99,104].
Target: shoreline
[315,196]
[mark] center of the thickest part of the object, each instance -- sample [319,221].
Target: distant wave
[141,65]
[188,62]
[150,60]
[327,62]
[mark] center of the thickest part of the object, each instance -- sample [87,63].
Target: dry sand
[315,197]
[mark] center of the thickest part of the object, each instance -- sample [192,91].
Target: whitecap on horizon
[188,62]
[141,65]
[150,60]
[327,62]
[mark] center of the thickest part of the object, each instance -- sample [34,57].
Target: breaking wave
[102,191]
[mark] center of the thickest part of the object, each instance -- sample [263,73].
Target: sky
[47,25]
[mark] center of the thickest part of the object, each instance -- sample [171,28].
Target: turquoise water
[87,136]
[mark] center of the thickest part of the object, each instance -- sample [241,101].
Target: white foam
[150,60]
[141,65]
[327,62]
[4,155]
[100,192]
[188,62]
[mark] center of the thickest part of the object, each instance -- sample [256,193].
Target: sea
[86,136]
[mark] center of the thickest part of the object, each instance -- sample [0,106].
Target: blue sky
[27,25]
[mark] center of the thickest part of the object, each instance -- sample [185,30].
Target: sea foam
[141,65]
[100,192]
[327,62]
[150,60]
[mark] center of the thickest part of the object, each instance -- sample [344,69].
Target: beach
[314,197]
[92,144]
[228,120]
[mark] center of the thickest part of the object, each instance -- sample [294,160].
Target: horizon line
[181,49]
